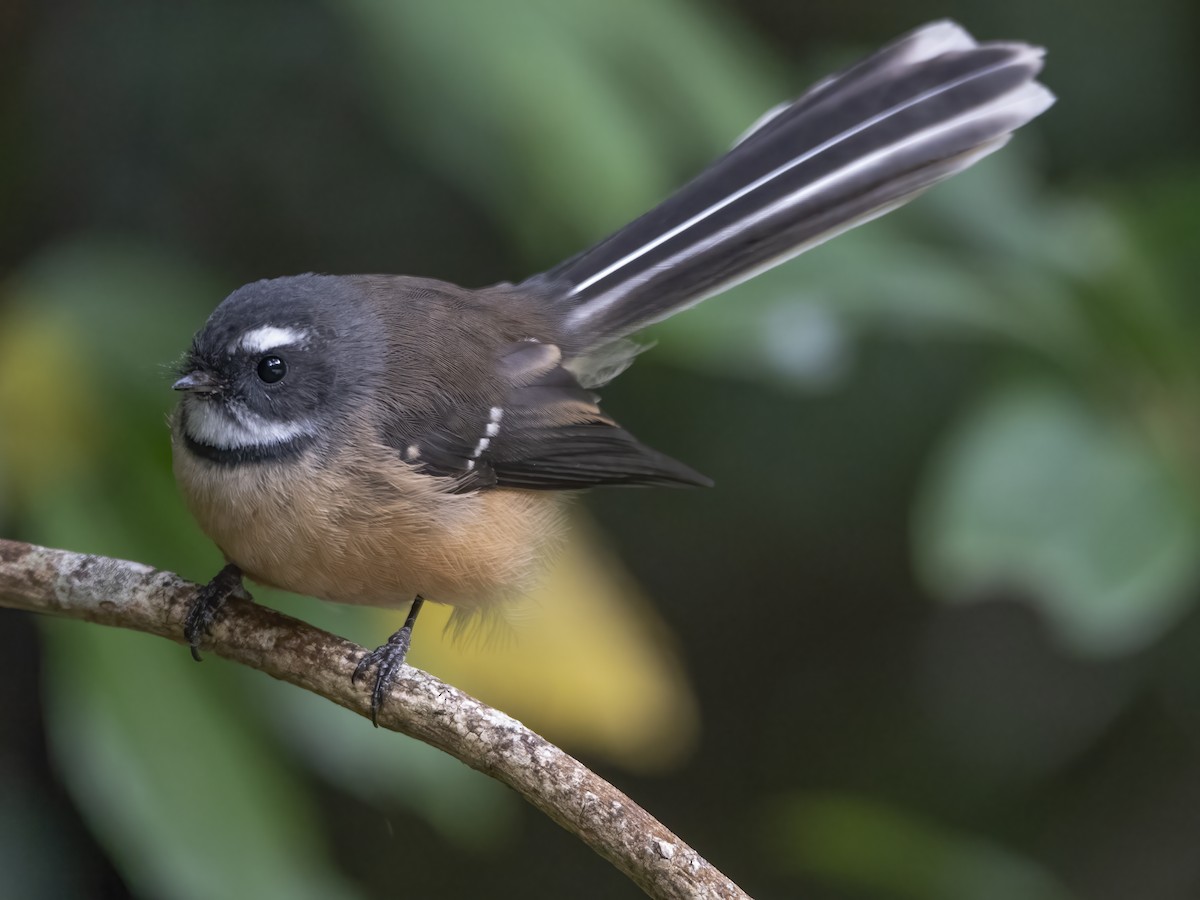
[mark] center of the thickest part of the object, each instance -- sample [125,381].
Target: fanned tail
[853,147]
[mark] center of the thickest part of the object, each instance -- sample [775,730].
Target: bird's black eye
[271,369]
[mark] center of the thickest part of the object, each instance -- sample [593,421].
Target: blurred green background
[935,633]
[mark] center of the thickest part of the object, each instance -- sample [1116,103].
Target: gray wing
[543,431]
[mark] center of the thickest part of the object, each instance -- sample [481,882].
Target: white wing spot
[495,414]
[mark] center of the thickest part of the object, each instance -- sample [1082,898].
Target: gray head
[273,364]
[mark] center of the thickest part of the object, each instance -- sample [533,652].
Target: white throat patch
[230,426]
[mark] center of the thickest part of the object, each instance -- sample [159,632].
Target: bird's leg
[208,602]
[389,658]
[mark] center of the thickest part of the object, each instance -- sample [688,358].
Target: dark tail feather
[851,148]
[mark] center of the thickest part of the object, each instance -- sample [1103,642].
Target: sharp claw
[208,602]
[388,660]
[377,696]
[361,669]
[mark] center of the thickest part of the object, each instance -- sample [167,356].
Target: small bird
[383,439]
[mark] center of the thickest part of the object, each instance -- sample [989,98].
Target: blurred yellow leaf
[48,423]
[586,662]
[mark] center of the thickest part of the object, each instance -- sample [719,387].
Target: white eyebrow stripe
[271,337]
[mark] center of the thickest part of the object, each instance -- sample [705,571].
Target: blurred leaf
[182,789]
[858,844]
[45,419]
[1039,493]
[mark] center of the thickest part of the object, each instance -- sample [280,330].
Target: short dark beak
[198,382]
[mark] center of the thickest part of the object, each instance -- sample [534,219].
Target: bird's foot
[209,600]
[388,660]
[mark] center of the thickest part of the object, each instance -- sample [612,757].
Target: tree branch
[131,595]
